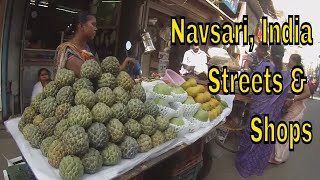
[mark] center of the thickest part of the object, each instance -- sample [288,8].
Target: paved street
[303,163]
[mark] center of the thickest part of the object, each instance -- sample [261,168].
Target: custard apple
[133,128]
[48,107]
[98,135]
[71,168]
[162,122]
[36,137]
[76,139]
[125,81]
[64,77]
[85,97]
[111,65]
[122,96]
[29,114]
[136,109]
[158,138]
[22,123]
[105,95]
[111,154]
[80,115]
[90,69]
[107,80]
[48,125]
[82,83]
[137,92]
[129,148]
[148,125]
[27,131]
[62,111]
[145,143]
[45,144]
[152,108]
[92,161]
[35,103]
[101,113]
[56,151]
[65,95]
[116,130]
[38,119]
[119,111]
[170,133]
[60,128]
[51,89]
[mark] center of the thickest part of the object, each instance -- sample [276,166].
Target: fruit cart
[185,145]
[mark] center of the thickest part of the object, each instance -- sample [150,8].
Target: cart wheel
[232,141]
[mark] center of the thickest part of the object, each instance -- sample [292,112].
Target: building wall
[13,59]
[253,20]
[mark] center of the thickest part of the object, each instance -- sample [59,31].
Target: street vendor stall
[180,110]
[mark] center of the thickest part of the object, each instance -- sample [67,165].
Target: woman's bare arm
[74,64]
[305,94]
[125,63]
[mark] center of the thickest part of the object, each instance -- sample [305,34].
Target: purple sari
[253,158]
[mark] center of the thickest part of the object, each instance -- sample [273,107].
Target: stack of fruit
[211,106]
[165,97]
[82,124]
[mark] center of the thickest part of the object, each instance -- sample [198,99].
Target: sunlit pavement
[304,162]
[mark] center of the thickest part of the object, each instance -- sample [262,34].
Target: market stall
[177,119]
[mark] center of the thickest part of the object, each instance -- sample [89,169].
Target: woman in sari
[71,55]
[294,113]
[252,158]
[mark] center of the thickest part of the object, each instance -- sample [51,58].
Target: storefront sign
[232,5]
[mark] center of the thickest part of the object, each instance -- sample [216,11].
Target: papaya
[213,114]
[193,82]
[200,98]
[186,85]
[192,91]
[201,88]
[207,106]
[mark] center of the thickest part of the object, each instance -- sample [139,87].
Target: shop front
[34,28]
[158,24]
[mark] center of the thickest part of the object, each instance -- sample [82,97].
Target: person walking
[295,111]
[312,86]
[252,159]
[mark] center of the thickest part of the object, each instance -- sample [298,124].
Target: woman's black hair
[82,17]
[43,69]
[296,58]
[277,53]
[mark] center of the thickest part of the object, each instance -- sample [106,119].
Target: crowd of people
[252,158]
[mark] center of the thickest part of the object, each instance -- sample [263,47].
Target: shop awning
[255,5]
[223,14]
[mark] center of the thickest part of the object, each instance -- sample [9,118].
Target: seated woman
[43,80]
[71,55]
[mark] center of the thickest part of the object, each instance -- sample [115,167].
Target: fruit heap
[169,89]
[211,106]
[83,124]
